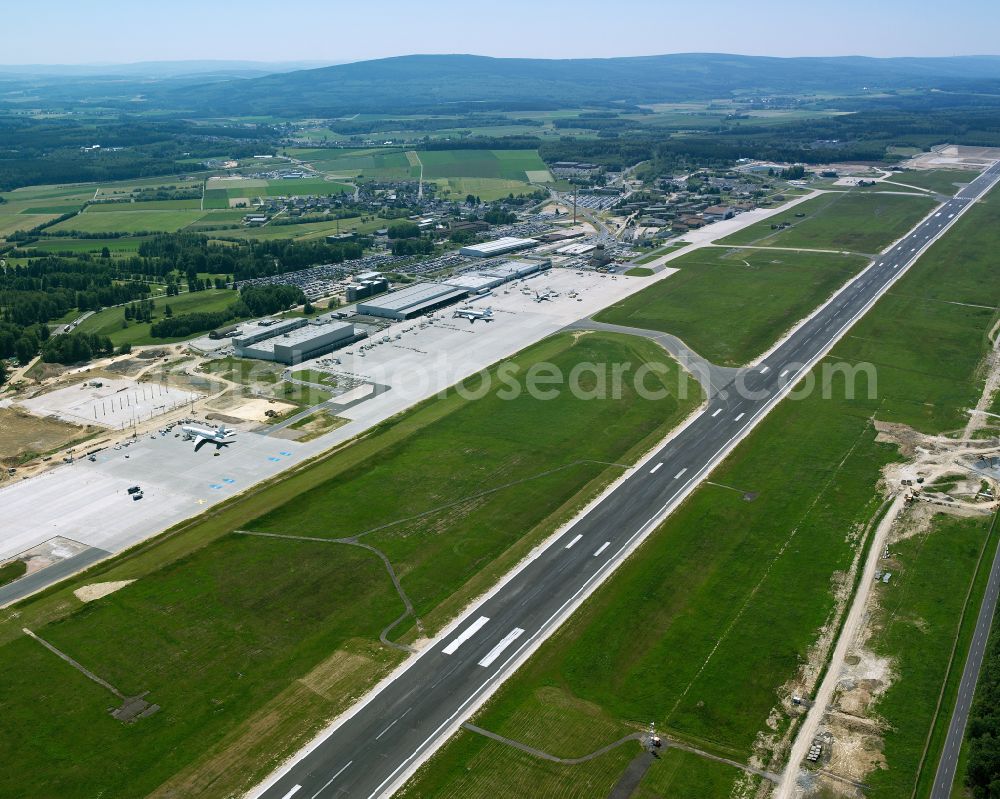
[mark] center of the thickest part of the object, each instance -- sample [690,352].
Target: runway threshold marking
[342,770]
[656,468]
[570,544]
[470,631]
[602,547]
[496,651]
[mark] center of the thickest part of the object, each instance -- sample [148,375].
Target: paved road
[372,751]
[945,775]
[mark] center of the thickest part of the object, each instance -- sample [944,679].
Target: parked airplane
[548,294]
[472,314]
[221,436]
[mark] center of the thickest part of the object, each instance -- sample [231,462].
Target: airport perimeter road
[370,752]
[945,776]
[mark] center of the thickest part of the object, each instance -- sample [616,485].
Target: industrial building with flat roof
[415,300]
[488,249]
[294,340]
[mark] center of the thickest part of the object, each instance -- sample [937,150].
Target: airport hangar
[424,298]
[292,341]
[489,249]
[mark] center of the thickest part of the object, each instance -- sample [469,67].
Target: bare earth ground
[89,593]
[22,433]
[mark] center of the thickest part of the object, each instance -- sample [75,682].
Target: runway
[371,752]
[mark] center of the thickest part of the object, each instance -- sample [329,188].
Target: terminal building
[415,300]
[424,298]
[489,249]
[515,270]
[294,340]
[475,282]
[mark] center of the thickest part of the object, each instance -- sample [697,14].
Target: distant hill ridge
[417,83]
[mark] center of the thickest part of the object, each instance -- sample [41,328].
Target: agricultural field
[220,192]
[111,321]
[118,247]
[12,223]
[488,174]
[129,221]
[496,164]
[486,189]
[374,163]
[730,305]
[304,230]
[147,205]
[225,630]
[848,220]
[706,627]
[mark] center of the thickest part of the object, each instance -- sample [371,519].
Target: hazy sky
[92,31]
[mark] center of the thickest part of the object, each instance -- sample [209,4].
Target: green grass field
[731,305]
[111,321]
[927,338]
[459,463]
[939,180]
[699,631]
[849,220]
[11,571]
[220,627]
[717,610]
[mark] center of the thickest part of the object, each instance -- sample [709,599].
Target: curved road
[371,751]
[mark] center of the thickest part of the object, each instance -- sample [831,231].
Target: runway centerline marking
[341,771]
[656,468]
[783,373]
[717,412]
[496,651]
[681,472]
[384,731]
[470,631]
[602,547]
[570,544]
[762,371]
[739,417]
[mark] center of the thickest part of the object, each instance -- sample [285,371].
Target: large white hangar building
[293,340]
[415,300]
